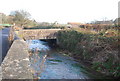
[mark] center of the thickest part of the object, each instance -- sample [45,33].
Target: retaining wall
[16,64]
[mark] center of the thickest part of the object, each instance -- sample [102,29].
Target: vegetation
[19,18]
[3,18]
[100,50]
[22,18]
[44,27]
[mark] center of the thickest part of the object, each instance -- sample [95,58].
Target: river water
[55,65]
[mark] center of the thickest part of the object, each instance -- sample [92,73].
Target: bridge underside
[37,38]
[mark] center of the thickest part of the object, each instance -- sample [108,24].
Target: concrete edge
[16,64]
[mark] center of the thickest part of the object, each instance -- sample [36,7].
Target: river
[55,65]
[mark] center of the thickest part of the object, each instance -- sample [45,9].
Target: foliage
[3,18]
[96,49]
[71,39]
[107,67]
[21,17]
[30,23]
[96,66]
[84,31]
[109,32]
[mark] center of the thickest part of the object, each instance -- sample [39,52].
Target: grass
[84,31]
[88,71]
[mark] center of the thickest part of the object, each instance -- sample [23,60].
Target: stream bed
[48,64]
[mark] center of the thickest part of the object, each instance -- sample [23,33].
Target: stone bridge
[39,34]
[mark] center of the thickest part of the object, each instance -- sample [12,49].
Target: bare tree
[3,18]
[21,17]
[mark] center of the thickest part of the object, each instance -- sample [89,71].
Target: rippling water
[40,45]
[56,66]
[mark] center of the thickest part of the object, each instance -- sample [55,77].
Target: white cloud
[64,10]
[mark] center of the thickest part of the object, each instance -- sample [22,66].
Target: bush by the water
[99,51]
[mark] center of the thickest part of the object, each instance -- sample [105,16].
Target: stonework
[39,34]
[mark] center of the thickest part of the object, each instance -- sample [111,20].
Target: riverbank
[84,65]
[99,52]
[56,65]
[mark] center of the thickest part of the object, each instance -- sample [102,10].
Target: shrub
[96,49]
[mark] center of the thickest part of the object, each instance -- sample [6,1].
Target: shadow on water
[51,43]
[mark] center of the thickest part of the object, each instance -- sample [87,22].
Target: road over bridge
[39,34]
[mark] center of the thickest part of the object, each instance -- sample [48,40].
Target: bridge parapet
[16,64]
[40,34]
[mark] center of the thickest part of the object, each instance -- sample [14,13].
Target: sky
[64,11]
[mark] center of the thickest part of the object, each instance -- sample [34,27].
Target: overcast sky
[64,11]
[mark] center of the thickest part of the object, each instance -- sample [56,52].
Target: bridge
[30,34]
[18,55]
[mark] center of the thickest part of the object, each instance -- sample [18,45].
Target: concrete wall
[39,33]
[16,64]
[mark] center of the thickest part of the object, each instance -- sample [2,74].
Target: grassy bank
[99,50]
